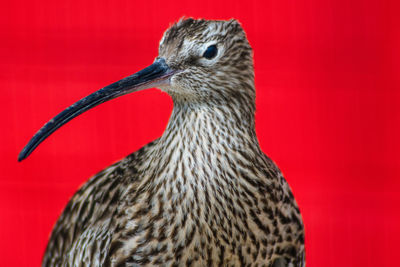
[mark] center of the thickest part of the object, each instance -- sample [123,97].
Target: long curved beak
[157,74]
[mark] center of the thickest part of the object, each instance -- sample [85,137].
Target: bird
[203,193]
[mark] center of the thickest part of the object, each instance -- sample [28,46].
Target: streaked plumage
[203,194]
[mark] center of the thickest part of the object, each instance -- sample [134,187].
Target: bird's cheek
[174,81]
[180,85]
[179,80]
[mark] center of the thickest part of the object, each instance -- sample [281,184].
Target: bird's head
[200,62]
[212,59]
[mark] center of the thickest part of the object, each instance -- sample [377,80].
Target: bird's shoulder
[88,216]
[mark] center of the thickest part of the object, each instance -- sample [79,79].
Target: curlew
[203,194]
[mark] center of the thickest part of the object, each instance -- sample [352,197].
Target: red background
[327,77]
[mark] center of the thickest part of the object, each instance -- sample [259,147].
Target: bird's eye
[210,52]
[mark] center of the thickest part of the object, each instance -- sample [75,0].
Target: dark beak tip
[22,155]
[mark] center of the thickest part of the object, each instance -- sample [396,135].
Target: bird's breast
[205,208]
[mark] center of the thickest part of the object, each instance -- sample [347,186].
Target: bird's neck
[203,139]
[208,126]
